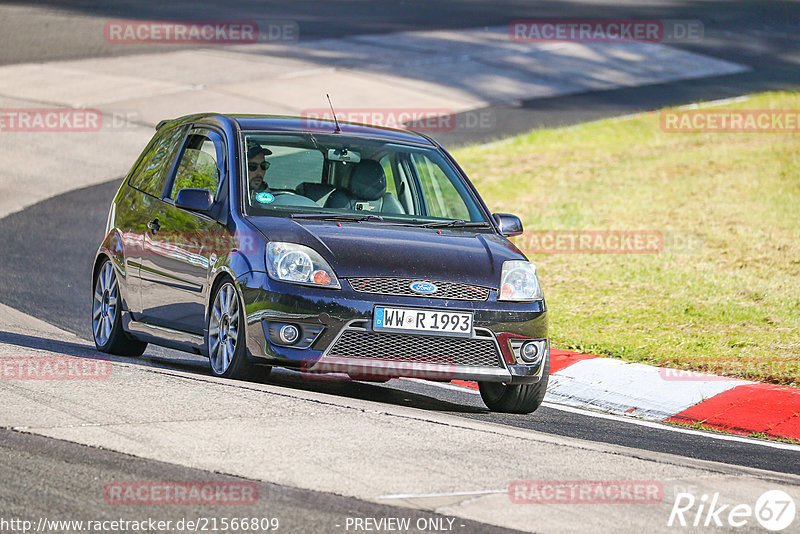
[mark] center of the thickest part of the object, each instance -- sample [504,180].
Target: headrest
[368,181]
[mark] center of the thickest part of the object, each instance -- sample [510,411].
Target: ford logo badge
[423,288]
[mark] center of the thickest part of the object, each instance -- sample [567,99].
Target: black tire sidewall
[515,398]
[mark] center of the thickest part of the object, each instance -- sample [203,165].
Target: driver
[257,166]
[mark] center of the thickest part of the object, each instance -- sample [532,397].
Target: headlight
[519,282]
[298,264]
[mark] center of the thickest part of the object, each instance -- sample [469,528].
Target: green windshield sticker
[265,198]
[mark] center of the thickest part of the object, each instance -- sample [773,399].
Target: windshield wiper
[457,222]
[337,216]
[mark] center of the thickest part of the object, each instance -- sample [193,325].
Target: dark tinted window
[336,172]
[290,166]
[199,167]
[149,176]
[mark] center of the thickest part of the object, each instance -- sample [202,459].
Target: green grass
[728,306]
[756,435]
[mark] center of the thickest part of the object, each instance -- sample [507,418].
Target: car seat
[366,192]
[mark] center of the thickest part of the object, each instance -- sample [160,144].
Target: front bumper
[337,334]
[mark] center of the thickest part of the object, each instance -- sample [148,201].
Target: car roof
[283,123]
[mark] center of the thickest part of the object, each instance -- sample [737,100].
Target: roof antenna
[338,130]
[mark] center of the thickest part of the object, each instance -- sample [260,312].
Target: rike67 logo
[774,510]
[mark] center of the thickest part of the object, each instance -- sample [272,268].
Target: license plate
[415,321]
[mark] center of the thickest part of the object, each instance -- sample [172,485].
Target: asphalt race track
[762,35]
[74,469]
[46,250]
[80,226]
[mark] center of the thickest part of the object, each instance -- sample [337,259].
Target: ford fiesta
[263,241]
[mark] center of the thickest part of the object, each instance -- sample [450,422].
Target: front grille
[455,351]
[400,287]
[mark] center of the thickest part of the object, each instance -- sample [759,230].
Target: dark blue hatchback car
[264,241]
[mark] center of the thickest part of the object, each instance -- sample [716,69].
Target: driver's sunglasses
[251,165]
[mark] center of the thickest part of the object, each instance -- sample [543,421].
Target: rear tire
[107,331]
[515,398]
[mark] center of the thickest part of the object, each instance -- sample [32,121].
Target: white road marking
[633,388]
[451,494]
[632,421]
[307,72]
[714,103]
[673,428]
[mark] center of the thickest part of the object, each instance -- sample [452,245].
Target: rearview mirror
[335,154]
[194,199]
[509,225]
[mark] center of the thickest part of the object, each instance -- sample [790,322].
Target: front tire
[226,344]
[515,398]
[109,337]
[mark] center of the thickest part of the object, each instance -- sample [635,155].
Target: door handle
[154,225]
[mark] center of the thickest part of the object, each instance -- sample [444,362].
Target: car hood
[372,249]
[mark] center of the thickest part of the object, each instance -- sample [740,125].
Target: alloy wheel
[223,328]
[104,310]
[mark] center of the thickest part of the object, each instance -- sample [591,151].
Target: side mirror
[509,225]
[194,200]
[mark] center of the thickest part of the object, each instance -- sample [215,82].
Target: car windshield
[336,176]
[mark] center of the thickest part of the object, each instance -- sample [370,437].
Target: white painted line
[632,388]
[453,494]
[719,102]
[444,385]
[633,421]
[673,428]
[499,142]
[151,94]
[306,72]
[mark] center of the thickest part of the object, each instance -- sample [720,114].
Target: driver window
[198,167]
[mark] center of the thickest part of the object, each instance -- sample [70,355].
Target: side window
[441,197]
[151,174]
[199,165]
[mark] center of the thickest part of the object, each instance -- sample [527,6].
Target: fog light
[532,352]
[289,333]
